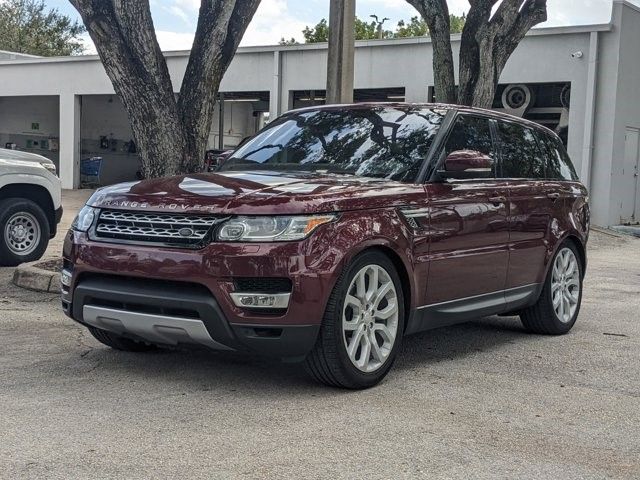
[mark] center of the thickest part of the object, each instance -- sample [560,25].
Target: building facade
[583,82]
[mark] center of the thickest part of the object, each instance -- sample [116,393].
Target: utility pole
[340,65]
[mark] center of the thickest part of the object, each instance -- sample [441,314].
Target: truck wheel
[557,309]
[24,231]
[117,342]
[362,327]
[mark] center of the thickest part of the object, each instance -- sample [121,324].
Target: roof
[579,29]
[7,55]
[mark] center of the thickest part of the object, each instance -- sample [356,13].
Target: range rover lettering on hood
[151,206]
[254,193]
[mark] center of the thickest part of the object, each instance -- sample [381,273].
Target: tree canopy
[416,27]
[26,26]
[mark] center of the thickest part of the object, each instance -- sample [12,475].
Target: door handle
[498,200]
[553,196]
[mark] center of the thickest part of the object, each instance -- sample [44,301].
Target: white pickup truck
[30,206]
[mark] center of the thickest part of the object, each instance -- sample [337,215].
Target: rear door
[532,200]
[469,229]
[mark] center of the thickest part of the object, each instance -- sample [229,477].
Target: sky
[175,20]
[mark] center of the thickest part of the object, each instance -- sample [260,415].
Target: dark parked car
[214,159]
[335,232]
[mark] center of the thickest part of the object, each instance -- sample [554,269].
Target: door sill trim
[460,310]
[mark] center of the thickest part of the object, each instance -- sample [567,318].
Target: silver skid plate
[152,328]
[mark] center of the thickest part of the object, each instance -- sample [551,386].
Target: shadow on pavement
[202,370]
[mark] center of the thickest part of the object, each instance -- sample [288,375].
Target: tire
[544,317]
[117,342]
[329,362]
[24,231]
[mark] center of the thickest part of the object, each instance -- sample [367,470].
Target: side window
[470,133]
[521,155]
[559,166]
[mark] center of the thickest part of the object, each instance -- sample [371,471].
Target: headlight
[84,219]
[50,166]
[271,229]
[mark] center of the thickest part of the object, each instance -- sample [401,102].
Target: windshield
[383,142]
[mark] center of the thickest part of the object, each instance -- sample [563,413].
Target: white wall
[617,106]
[239,123]
[104,115]
[17,114]
[627,113]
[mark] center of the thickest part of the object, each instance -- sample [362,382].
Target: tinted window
[382,142]
[559,166]
[521,155]
[470,133]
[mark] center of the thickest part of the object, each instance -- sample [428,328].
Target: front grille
[161,228]
[262,285]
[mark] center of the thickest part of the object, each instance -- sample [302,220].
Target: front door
[469,228]
[631,175]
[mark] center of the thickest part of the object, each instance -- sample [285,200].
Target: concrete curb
[633,230]
[31,277]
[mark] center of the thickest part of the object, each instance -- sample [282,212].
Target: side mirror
[467,164]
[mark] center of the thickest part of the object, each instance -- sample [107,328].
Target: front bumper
[172,314]
[58,214]
[172,296]
[53,225]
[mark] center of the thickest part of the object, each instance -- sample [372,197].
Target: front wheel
[24,231]
[362,327]
[557,309]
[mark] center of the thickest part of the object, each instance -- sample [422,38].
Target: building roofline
[577,29]
[627,3]
[18,54]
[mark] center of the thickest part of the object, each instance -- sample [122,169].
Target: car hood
[6,154]
[252,193]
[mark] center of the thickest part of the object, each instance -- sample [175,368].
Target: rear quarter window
[559,165]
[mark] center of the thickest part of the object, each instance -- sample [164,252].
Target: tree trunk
[170,134]
[221,26]
[478,16]
[436,14]
[488,42]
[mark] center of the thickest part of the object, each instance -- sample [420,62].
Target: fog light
[65,278]
[258,300]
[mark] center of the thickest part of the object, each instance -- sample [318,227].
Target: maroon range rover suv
[333,233]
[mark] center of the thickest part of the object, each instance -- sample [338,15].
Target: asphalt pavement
[480,400]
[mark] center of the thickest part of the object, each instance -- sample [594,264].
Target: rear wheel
[557,309]
[118,342]
[362,326]
[24,231]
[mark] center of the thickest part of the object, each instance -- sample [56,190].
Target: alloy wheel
[565,285]
[22,233]
[370,318]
